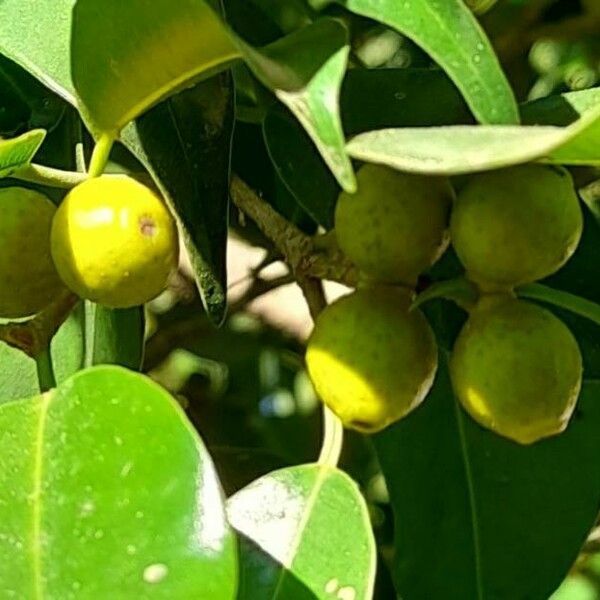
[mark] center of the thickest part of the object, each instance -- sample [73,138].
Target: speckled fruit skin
[114,241]
[371,361]
[517,369]
[28,278]
[396,225]
[517,225]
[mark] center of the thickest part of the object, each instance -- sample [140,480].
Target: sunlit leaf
[293,543]
[105,488]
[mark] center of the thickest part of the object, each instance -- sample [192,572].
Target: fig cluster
[372,360]
[111,240]
[515,367]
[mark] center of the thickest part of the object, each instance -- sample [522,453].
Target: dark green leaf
[300,167]
[309,83]
[382,98]
[305,534]
[38,105]
[472,508]
[106,489]
[184,143]
[451,35]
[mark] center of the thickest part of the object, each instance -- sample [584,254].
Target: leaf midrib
[36,492]
[294,546]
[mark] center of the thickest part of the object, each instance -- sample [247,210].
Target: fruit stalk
[309,265]
[333,431]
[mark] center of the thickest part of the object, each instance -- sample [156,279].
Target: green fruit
[28,278]
[516,225]
[395,226]
[370,359]
[516,369]
[114,241]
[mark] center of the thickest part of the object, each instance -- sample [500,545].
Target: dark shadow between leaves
[261,575]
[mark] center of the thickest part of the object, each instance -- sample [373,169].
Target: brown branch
[313,293]
[34,336]
[305,255]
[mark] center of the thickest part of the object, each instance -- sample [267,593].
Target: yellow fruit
[28,279]
[395,226]
[516,369]
[516,225]
[114,241]
[370,360]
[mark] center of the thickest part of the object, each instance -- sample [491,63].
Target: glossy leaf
[451,35]
[185,143]
[305,534]
[466,149]
[19,151]
[127,56]
[471,508]
[105,488]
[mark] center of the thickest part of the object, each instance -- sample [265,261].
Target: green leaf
[106,488]
[309,83]
[576,587]
[23,25]
[451,35]
[91,335]
[583,148]
[305,534]
[128,56]
[400,98]
[575,304]
[185,144]
[472,508]
[110,336]
[300,167]
[19,151]
[116,82]
[465,149]
[18,374]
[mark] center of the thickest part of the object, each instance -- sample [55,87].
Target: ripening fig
[395,226]
[516,225]
[516,369]
[370,359]
[114,241]
[28,278]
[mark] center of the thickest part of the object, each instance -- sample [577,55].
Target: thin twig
[305,256]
